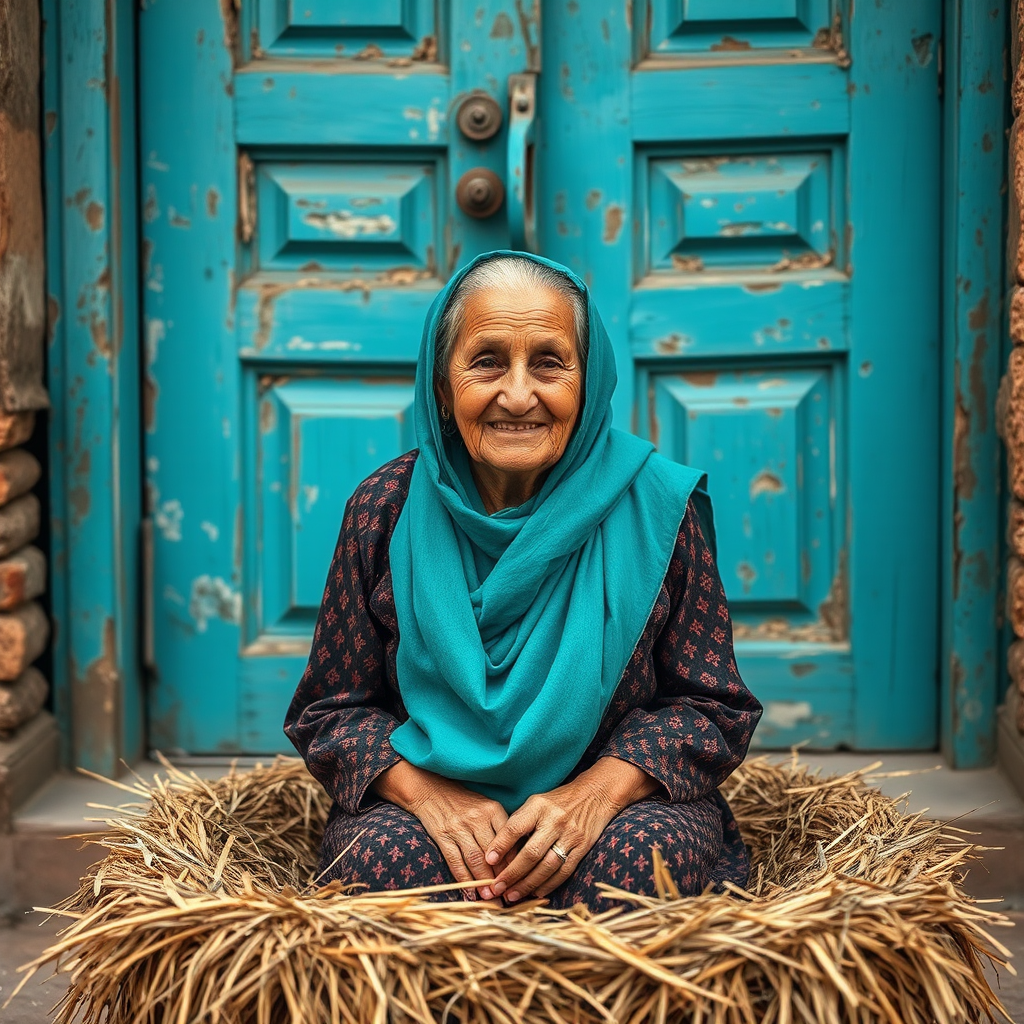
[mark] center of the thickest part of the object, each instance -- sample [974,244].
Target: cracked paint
[348,225]
[787,714]
[167,519]
[213,598]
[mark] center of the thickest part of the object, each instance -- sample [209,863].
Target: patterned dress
[680,712]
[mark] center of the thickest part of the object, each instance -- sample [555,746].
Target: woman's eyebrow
[488,340]
[554,344]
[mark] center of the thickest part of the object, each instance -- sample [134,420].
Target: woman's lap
[385,847]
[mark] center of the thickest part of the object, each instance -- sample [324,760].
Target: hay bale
[205,910]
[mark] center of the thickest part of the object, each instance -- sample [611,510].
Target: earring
[445,414]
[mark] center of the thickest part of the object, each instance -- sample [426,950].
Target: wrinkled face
[514,379]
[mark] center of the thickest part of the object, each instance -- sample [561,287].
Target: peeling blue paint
[973,268]
[92,376]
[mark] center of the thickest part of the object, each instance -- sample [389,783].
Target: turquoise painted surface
[894,371]
[92,376]
[192,380]
[973,316]
[759,227]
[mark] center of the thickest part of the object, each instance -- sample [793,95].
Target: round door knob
[479,117]
[479,192]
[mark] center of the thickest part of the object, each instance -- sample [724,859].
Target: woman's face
[514,379]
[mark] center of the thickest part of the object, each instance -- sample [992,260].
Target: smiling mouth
[516,428]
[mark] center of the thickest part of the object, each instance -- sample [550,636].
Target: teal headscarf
[515,628]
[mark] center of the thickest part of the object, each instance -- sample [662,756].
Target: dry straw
[203,910]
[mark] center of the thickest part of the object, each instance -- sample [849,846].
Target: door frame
[972,652]
[95,437]
[92,270]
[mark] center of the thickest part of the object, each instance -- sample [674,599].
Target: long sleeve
[338,719]
[696,730]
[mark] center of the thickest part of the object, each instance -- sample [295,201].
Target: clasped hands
[480,841]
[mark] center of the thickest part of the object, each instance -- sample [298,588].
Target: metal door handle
[522,91]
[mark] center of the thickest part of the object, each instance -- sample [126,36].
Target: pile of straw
[204,910]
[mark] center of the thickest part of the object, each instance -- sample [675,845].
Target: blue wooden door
[750,186]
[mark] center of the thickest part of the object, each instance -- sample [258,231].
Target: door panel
[756,101]
[299,219]
[318,438]
[339,216]
[768,440]
[739,216]
[742,212]
[396,29]
[755,214]
[736,26]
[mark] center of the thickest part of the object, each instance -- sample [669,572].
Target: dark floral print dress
[680,712]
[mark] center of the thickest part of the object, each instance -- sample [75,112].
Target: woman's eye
[550,364]
[486,363]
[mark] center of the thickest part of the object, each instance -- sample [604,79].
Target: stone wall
[28,742]
[1010,417]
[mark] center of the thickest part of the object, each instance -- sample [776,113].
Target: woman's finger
[565,869]
[494,871]
[547,868]
[498,819]
[522,823]
[452,853]
[473,845]
[532,853]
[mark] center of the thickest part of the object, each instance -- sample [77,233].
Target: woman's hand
[462,823]
[572,818]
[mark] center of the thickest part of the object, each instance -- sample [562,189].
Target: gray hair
[508,273]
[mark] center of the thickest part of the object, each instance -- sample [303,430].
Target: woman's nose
[517,396]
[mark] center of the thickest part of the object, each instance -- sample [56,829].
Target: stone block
[46,869]
[1016,50]
[28,759]
[1015,597]
[16,428]
[1014,527]
[19,472]
[1012,400]
[1016,315]
[1002,405]
[23,636]
[1010,739]
[1015,237]
[19,523]
[22,577]
[21,700]
[1015,662]
[1015,697]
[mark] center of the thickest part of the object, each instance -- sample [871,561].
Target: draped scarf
[515,628]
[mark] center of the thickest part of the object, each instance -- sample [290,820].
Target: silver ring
[559,852]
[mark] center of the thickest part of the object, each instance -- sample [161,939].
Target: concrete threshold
[38,867]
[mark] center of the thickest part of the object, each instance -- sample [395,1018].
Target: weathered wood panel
[93,376]
[24,629]
[22,265]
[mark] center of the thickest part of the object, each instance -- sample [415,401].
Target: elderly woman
[522,672]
